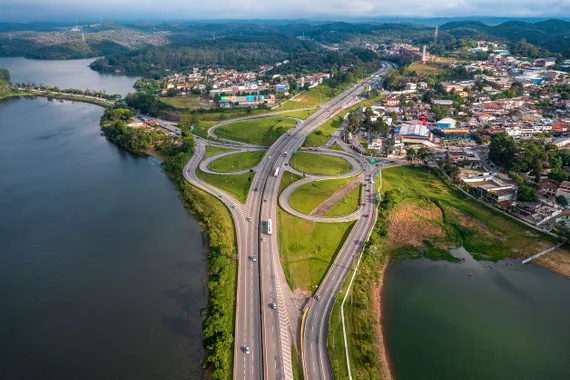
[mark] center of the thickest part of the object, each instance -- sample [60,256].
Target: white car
[254,258]
[246,350]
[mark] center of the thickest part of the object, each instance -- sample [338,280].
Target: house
[414,133]
[442,102]
[526,132]
[376,144]
[411,86]
[494,192]
[392,102]
[547,188]
[564,190]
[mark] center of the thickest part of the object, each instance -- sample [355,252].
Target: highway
[268,331]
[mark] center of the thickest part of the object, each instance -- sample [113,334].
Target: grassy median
[320,164]
[238,185]
[237,162]
[308,249]
[308,197]
[288,179]
[347,204]
[262,131]
[298,114]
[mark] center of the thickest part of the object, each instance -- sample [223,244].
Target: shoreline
[58,96]
[387,370]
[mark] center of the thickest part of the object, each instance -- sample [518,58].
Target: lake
[73,73]
[505,321]
[102,270]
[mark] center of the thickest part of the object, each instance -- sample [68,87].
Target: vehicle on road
[263,239]
[318,298]
[248,219]
[246,350]
[265,200]
[367,215]
[221,195]
[256,189]
[276,173]
[274,306]
[269,232]
[254,258]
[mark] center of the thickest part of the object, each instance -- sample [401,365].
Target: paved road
[265,330]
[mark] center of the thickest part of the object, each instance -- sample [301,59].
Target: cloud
[30,10]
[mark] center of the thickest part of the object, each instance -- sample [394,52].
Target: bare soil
[415,221]
[557,261]
[379,343]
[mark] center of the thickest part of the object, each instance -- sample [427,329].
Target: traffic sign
[191,128]
[377,174]
[372,160]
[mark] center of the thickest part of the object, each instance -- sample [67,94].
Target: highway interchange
[268,321]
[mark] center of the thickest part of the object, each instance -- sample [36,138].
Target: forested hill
[552,35]
[243,52]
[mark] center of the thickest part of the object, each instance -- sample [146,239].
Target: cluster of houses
[230,87]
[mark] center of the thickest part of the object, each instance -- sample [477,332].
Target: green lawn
[309,196]
[348,204]
[427,69]
[483,231]
[298,114]
[189,102]
[213,150]
[308,249]
[323,133]
[237,185]
[314,96]
[320,164]
[263,131]
[201,128]
[287,179]
[335,146]
[237,162]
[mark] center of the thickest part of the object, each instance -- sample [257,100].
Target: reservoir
[102,270]
[502,322]
[73,73]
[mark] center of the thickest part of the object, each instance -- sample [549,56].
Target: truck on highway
[276,173]
[269,232]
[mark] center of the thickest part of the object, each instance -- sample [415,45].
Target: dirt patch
[379,342]
[329,203]
[412,222]
[557,261]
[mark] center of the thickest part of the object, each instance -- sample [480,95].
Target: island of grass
[320,164]
[237,185]
[236,162]
[308,249]
[347,204]
[212,150]
[310,196]
[323,133]
[201,129]
[288,179]
[299,114]
[335,146]
[262,131]
[314,96]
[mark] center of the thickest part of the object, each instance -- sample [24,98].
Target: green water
[504,322]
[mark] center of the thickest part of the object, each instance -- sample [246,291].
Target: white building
[526,132]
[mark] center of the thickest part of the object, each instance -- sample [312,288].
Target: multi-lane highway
[264,316]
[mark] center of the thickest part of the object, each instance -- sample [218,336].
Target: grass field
[307,249]
[309,196]
[263,131]
[320,164]
[237,162]
[189,102]
[323,133]
[484,232]
[212,150]
[238,185]
[298,114]
[424,69]
[314,96]
[287,179]
[346,205]
[335,146]
[201,128]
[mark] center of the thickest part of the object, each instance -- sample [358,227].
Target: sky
[61,10]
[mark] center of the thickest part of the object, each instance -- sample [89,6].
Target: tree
[562,201]
[411,155]
[4,75]
[526,194]
[558,175]
[440,111]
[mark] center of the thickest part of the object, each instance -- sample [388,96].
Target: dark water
[102,271]
[504,322]
[66,74]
